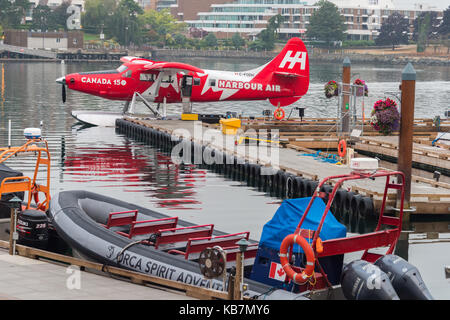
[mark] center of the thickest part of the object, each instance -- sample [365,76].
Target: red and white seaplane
[282,81]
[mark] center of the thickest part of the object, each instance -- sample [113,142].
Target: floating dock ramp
[30,52]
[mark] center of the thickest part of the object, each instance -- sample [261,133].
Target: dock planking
[423,154]
[427,196]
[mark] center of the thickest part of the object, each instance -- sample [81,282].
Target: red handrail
[377,237]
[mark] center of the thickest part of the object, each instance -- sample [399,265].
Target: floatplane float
[282,81]
[300,254]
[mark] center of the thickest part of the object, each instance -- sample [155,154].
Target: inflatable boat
[299,256]
[118,233]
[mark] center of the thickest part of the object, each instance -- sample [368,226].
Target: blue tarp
[287,217]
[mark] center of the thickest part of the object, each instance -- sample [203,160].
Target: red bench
[120,219]
[196,245]
[249,255]
[151,226]
[183,234]
[117,219]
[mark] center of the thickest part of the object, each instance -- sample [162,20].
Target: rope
[120,254]
[265,293]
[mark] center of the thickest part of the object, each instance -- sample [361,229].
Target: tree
[180,40]
[429,22]
[59,15]
[124,24]
[268,38]
[426,27]
[158,24]
[97,16]
[394,31]
[41,18]
[444,28]
[423,26]
[211,40]
[326,23]
[237,41]
[12,13]
[275,22]
[256,45]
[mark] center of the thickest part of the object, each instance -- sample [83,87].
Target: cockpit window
[122,68]
[127,74]
[147,77]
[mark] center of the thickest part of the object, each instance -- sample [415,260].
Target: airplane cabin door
[186,85]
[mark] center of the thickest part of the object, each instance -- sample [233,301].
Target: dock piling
[404,164]
[14,204]
[346,78]
[11,232]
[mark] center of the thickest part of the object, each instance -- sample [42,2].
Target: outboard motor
[405,278]
[32,226]
[362,280]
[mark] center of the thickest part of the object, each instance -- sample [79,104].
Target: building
[52,4]
[248,17]
[165,4]
[364,18]
[44,40]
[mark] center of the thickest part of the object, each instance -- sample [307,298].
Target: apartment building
[248,17]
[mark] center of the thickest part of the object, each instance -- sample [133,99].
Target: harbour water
[100,160]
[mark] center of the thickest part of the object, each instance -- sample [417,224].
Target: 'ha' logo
[298,57]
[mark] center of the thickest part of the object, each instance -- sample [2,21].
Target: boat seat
[249,255]
[182,235]
[147,227]
[123,218]
[196,245]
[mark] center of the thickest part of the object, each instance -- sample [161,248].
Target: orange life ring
[35,193]
[279,114]
[342,148]
[298,278]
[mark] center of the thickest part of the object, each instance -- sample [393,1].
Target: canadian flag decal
[276,272]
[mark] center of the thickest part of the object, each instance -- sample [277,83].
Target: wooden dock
[427,195]
[424,155]
[23,278]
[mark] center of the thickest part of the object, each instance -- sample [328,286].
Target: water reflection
[134,168]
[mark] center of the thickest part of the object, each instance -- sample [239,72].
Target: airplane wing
[128,59]
[160,66]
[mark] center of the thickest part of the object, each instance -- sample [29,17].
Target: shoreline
[157,54]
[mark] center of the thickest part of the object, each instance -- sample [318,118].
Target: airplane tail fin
[290,68]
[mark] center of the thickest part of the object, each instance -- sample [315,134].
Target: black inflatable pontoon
[80,218]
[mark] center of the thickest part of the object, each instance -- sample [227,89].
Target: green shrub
[358,43]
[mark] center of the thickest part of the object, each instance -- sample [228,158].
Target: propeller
[62,81]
